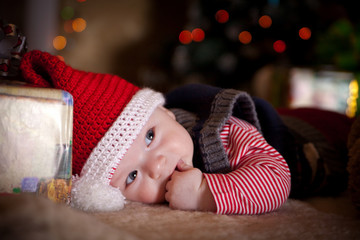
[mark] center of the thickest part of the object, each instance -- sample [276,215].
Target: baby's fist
[188,190]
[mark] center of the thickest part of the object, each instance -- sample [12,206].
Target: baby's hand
[188,190]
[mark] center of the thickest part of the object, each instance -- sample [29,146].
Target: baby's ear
[170,113]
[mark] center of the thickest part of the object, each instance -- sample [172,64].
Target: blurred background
[292,53]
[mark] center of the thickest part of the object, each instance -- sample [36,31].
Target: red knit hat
[109,112]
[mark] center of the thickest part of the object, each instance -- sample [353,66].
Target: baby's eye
[131,177]
[149,137]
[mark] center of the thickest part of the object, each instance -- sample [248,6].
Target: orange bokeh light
[185,37]
[279,46]
[60,57]
[222,16]
[79,24]
[59,42]
[265,21]
[305,33]
[198,35]
[245,37]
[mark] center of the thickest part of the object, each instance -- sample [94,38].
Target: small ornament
[12,47]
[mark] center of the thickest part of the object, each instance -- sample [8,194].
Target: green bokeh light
[67,13]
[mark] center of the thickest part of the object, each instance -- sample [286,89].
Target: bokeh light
[305,33]
[67,13]
[265,21]
[59,42]
[352,99]
[279,46]
[222,16]
[245,37]
[61,58]
[68,26]
[185,37]
[198,35]
[79,24]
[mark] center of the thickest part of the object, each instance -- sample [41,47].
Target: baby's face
[147,166]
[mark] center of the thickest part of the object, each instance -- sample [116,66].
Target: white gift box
[36,141]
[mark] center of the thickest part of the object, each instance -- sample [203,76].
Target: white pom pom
[93,196]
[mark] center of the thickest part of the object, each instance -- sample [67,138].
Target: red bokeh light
[68,26]
[279,46]
[265,21]
[198,35]
[245,37]
[185,37]
[305,33]
[222,16]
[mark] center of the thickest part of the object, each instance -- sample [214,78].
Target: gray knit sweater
[205,128]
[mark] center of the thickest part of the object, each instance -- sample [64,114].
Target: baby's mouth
[179,163]
[176,168]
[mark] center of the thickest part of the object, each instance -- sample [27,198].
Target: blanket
[30,217]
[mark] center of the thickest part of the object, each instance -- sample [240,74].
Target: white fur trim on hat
[92,191]
[93,196]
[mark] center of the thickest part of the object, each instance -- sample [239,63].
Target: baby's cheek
[148,194]
[155,197]
[114,182]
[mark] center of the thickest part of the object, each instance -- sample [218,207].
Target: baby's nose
[155,166]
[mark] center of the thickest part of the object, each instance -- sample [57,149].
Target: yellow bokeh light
[352,99]
[79,24]
[59,42]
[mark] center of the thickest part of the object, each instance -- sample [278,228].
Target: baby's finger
[182,166]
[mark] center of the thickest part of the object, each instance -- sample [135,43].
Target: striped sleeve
[260,177]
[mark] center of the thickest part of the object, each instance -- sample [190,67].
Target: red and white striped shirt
[260,177]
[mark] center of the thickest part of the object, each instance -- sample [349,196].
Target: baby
[158,167]
[240,172]
[127,145]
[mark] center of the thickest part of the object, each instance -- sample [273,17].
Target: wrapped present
[36,141]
